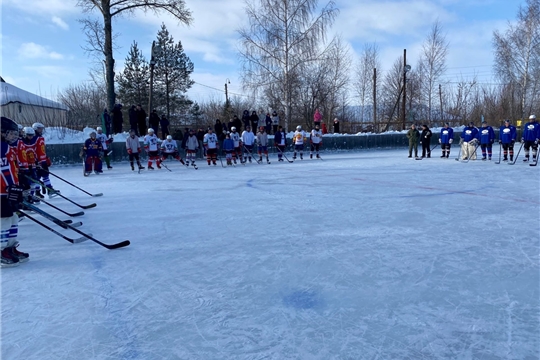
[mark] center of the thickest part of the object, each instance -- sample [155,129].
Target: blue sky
[42,41]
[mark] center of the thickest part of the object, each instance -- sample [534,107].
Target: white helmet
[29,131]
[150,131]
[20,127]
[299,127]
[532,117]
[233,128]
[169,137]
[38,126]
[99,128]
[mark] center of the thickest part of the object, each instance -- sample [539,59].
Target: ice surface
[365,255]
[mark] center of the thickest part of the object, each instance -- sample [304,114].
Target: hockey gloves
[15,196]
[130,151]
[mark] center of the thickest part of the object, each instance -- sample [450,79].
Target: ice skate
[22,256]
[8,259]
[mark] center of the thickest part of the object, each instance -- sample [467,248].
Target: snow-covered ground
[365,255]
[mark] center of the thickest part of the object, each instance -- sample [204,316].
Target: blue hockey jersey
[507,134]
[469,133]
[446,135]
[486,135]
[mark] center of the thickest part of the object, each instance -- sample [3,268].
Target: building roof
[12,94]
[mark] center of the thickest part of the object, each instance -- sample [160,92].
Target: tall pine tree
[171,75]
[133,82]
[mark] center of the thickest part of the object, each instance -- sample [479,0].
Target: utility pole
[156,50]
[375,127]
[440,99]
[404,99]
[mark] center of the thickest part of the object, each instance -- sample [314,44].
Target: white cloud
[35,51]
[43,7]
[61,23]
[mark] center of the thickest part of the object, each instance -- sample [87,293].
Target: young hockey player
[446,139]
[228,148]
[469,141]
[92,150]
[507,139]
[105,141]
[192,146]
[299,138]
[486,136]
[280,141]
[10,197]
[235,137]
[42,159]
[315,139]
[28,145]
[170,148]
[151,145]
[248,140]
[210,142]
[134,149]
[262,144]
[531,133]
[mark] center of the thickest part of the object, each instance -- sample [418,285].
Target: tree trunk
[108,52]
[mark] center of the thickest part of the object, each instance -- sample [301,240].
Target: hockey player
[531,133]
[43,161]
[469,140]
[151,145]
[105,141]
[299,138]
[248,140]
[10,197]
[210,142]
[192,146]
[92,151]
[262,144]
[134,149]
[486,136]
[228,148]
[28,145]
[170,148]
[235,137]
[446,138]
[315,139]
[280,141]
[507,138]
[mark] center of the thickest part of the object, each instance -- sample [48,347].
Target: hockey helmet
[10,130]
[299,127]
[92,134]
[261,128]
[20,127]
[169,137]
[99,128]
[37,126]
[29,131]
[150,131]
[233,128]
[507,121]
[532,117]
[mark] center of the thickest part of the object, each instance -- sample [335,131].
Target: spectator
[317,117]
[324,129]
[254,120]
[164,126]
[141,120]
[200,137]
[237,123]
[154,121]
[268,123]
[106,122]
[275,122]
[218,129]
[133,119]
[118,119]
[245,120]
[336,126]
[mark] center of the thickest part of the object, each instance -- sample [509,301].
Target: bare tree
[432,66]
[391,93]
[369,60]
[112,8]
[85,102]
[517,56]
[281,36]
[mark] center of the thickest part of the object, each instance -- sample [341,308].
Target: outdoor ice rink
[364,255]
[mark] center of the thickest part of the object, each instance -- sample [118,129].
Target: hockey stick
[469,156]
[165,166]
[75,186]
[282,153]
[73,241]
[251,155]
[535,162]
[65,212]
[62,196]
[515,159]
[50,217]
[88,236]
[500,151]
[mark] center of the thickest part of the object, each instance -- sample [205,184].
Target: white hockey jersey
[299,137]
[210,140]
[316,136]
[236,138]
[169,146]
[151,142]
[103,139]
[248,138]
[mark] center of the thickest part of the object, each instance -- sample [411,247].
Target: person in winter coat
[336,126]
[507,139]
[275,122]
[218,129]
[106,122]
[132,112]
[317,117]
[141,120]
[237,123]
[118,119]
[486,136]
[245,121]
[324,130]
[254,120]
[268,123]
[413,134]
[446,138]
[425,139]
[468,142]
[164,123]
[153,122]
[200,137]
[184,139]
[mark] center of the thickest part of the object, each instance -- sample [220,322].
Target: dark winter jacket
[132,117]
[245,120]
[236,123]
[164,124]
[118,118]
[154,121]
[279,136]
[425,137]
[336,127]
[184,140]
[218,128]
[254,119]
[268,123]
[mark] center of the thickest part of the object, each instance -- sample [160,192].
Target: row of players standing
[472,137]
